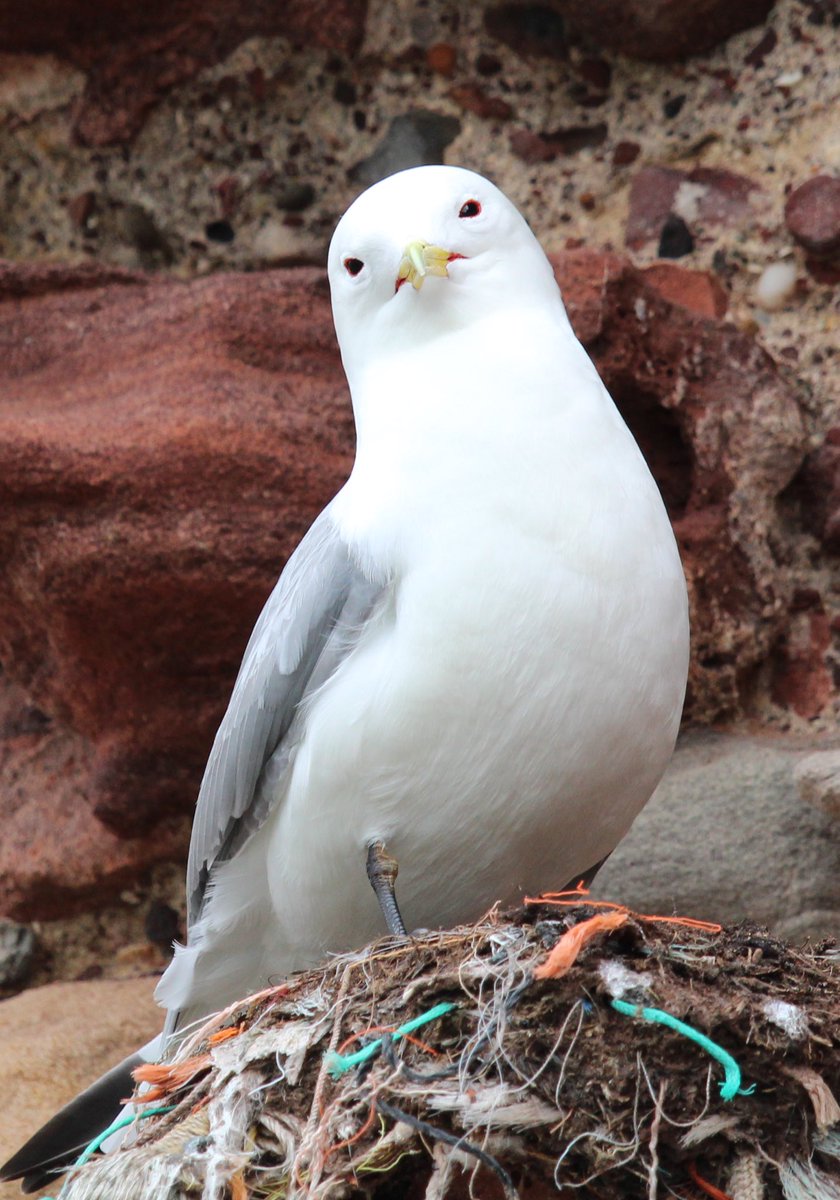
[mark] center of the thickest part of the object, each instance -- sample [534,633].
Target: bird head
[424,253]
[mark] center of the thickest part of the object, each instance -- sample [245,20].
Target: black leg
[382,873]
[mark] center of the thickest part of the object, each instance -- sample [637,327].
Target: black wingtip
[58,1144]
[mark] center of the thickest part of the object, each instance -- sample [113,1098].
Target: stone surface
[703,198]
[662,30]
[56,856]
[775,286]
[817,778]
[56,1040]
[726,838]
[724,434]
[817,488]
[17,952]
[164,447]
[135,54]
[698,291]
[416,139]
[812,214]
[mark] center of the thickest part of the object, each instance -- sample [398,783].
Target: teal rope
[337,1064]
[120,1123]
[731,1086]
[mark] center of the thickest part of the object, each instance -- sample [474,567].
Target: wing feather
[300,631]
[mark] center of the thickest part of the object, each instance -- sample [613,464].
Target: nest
[566,1047]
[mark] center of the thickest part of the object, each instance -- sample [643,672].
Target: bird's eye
[470,209]
[353,266]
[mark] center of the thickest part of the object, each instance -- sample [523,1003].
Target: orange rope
[580,895]
[168,1077]
[564,954]
[704,1185]
[222,1035]
[357,1136]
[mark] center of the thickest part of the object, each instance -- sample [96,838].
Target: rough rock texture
[134,55]
[727,833]
[158,139]
[50,1048]
[665,29]
[812,214]
[164,446]
[723,432]
[702,199]
[817,777]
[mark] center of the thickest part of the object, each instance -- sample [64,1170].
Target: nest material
[531,1082]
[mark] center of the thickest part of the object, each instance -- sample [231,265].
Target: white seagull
[473,665]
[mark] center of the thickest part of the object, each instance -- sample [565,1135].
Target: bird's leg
[382,873]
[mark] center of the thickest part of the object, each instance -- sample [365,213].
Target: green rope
[337,1064]
[731,1086]
[120,1123]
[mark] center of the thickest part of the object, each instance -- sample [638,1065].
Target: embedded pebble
[775,286]
[17,952]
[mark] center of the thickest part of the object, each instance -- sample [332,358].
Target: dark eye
[470,209]
[353,265]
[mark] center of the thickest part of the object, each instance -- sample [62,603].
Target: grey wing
[310,622]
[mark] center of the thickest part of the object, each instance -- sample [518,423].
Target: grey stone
[415,139]
[17,952]
[726,838]
[818,780]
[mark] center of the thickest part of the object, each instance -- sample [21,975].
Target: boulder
[727,835]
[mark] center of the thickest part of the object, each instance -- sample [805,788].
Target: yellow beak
[419,260]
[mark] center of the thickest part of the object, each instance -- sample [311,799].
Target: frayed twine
[337,1063]
[731,1086]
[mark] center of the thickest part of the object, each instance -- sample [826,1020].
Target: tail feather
[58,1144]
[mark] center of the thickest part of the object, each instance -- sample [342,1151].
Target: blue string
[337,1064]
[731,1086]
[120,1123]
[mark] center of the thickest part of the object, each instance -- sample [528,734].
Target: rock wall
[172,410]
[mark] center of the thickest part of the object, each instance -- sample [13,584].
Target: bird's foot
[382,873]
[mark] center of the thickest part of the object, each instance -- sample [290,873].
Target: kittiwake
[472,667]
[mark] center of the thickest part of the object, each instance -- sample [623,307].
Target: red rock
[665,30]
[823,271]
[177,441]
[802,680]
[530,147]
[532,30]
[724,434]
[597,72]
[56,856]
[711,197]
[626,153]
[764,46]
[812,214]
[475,100]
[818,488]
[227,190]
[81,208]
[442,59]
[164,444]
[698,291]
[135,53]
[545,147]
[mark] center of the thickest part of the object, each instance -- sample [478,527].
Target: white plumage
[501,693]
[477,655]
